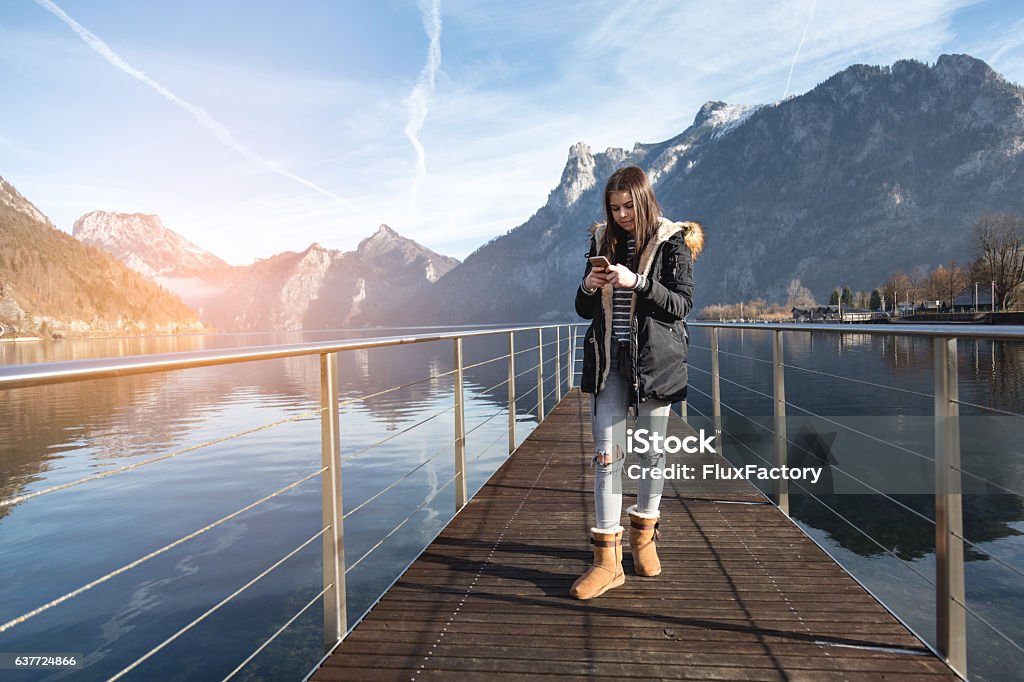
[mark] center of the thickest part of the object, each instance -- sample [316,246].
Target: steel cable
[407,475]
[861,381]
[847,521]
[488,390]
[735,355]
[361,398]
[396,434]
[74,593]
[987,409]
[417,468]
[275,635]
[485,362]
[215,608]
[404,521]
[528,371]
[64,486]
[489,446]
[496,414]
[523,395]
[991,556]
[988,482]
[989,625]
[818,416]
[837,469]
[526,350]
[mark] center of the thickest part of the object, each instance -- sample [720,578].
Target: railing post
[716,392]
[950,618]
[540,375]
[572,358]
[460,431]
[511,392]
[782,486]
[335,617]
[558,364]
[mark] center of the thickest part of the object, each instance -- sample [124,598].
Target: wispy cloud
[522,82]
[420,96]
[204,119]
[1010,41]
[789,79]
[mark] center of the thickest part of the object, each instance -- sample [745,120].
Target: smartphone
[600,261]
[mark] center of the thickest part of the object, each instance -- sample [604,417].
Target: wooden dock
[744,594]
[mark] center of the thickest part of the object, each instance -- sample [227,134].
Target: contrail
[200,115]
[420,95]
[814,3]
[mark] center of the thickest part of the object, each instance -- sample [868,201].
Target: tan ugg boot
[643,532]
[606,572]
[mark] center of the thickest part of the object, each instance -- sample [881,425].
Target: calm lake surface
[58,542]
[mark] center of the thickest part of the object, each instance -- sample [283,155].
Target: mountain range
[877,168]
[317,288]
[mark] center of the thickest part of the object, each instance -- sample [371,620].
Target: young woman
[634,354]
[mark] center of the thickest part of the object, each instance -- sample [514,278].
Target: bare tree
[918,280]
[896,288]
[945,282]
[798,295]
[998,240]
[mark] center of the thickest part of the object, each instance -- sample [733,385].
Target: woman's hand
[621,277]
[596,278]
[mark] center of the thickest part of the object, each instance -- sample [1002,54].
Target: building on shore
[834,313]
[966,303]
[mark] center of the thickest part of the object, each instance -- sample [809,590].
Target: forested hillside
[49,281]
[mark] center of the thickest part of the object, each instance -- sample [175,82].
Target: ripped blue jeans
[610,406]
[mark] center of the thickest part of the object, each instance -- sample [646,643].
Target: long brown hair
[633,180]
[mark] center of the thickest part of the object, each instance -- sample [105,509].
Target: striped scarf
[621,301]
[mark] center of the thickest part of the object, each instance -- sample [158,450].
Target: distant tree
[834,298]
[998,241]
[918,280]
[945,282]
[798,295]
[875,303]
[897,288]
[847,296]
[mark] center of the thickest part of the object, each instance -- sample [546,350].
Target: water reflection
[889,544]
[57,434]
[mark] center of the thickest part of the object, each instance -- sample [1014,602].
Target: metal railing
[951,603]
[949,536]
[332,535]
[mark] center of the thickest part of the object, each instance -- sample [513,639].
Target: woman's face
[621,205]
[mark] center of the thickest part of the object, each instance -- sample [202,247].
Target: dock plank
[744,594]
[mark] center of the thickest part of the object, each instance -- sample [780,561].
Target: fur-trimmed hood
[693,235]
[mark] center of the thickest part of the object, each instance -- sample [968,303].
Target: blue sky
[258,127]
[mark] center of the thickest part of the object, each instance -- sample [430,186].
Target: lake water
[55,543]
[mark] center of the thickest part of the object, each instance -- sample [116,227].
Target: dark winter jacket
[658,337]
